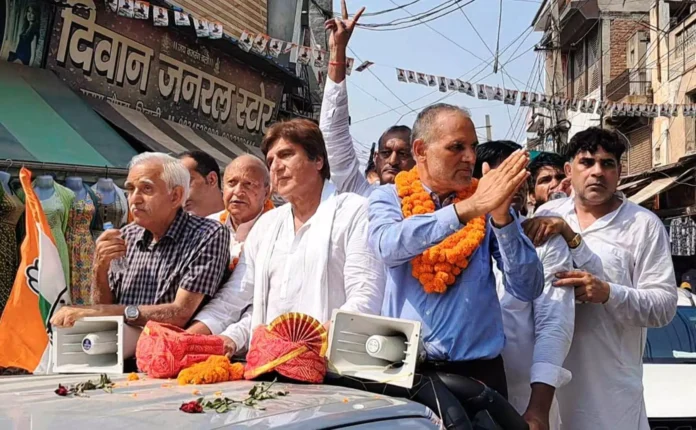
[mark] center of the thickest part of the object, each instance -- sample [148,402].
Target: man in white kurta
[537,333]
[246,187]
[393,152]
[310,255]
[635,289]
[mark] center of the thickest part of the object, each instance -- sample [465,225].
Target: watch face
[132,312]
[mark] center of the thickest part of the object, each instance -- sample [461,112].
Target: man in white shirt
[246,187]
[538,333]
[309,256]
[393,153]
[635,289]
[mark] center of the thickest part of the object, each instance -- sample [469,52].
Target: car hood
[29,402]
[670,390]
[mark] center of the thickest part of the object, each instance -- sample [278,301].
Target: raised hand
[498,186]
[342,29]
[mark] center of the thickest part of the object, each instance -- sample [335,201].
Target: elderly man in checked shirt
[174,260]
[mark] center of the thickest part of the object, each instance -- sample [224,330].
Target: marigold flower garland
[437,267]
[216,368]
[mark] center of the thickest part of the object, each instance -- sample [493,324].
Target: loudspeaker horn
[94,345]
[374,348]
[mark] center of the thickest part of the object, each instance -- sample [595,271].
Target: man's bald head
[246,186]
[251,162]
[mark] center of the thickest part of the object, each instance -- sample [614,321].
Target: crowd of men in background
[550,310]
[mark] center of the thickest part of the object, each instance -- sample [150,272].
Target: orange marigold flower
[438,267]
[133,376]
[215,369]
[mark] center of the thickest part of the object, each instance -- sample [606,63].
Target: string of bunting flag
[540,100]
[263,44]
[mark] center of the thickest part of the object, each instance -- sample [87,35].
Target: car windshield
[674,343]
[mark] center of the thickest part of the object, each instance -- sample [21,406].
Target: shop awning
[654,188]
[162,135]
[42,120]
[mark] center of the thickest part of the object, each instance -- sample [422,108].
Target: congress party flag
[38,292]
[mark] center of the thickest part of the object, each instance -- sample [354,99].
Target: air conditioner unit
[374,348]
[94,345]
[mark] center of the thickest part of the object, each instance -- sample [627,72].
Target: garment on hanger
[682,235]
[57,209]
[11,210]
[82,248]
[115,212]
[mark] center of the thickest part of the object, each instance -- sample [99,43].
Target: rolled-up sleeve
[518,260]
[396,240]
[364,276]
[653,300]
[554,318]
[335,126]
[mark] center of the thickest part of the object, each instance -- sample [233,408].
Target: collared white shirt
[355,277]
[538,334]
[335,126]
[606,356]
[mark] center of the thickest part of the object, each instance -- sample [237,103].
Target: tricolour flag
[38,292]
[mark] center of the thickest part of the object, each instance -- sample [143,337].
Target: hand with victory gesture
[497,188]
[340,31]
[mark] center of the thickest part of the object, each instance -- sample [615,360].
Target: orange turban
[294,345]
[163,350]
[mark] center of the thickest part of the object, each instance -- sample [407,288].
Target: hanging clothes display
[57,208]
[115,212]
[682,235]
[81,247]
[11,210]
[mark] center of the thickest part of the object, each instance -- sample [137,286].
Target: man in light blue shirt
[462,328]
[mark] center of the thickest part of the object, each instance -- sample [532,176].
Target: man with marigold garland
[436,230]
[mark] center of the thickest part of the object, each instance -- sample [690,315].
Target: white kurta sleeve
[335,126]
[586,260]
[229,312]
[364,275]
[653,300]
[554,318]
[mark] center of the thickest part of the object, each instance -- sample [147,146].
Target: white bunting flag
[401,75]
[274,47]
[442,84]
[125,8]
[182,19]
[305,55]
[201,26]
[349,65]
[422,79]
[481,93]
[411,77]
[142,10]
[215,30]
[510,97]
[245,41]
[364,66]
[260,43]
[160,16]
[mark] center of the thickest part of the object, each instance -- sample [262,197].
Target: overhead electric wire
[413,22]
[515,40]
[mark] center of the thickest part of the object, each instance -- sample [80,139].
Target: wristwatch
[575,241]
[131,313]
